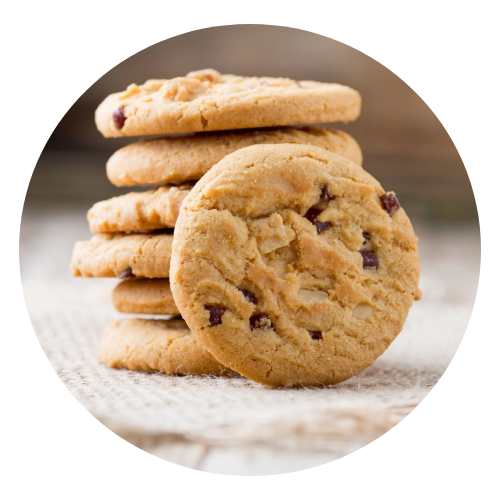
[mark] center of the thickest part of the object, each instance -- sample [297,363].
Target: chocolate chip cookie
[157,345]
[144,296]
[146,211]
[124,256]
[180,159]
[206,100]
[293,266]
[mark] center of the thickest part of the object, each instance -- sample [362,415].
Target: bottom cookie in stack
[150,345]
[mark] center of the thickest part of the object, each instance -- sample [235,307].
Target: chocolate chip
[315,334]
[390,202]
[311,216]
[249,296]
[119,117]
[127,274]
[370,259]
[215,314]
[261,321]
[366,236]
[320,226]
[324,194]
[312,213]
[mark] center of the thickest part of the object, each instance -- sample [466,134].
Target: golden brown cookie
[206,100]
[157,345]
[125,256]
[293,266]
[146,211]
[144,296]
[180,159]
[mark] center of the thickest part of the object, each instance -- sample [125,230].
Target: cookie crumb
[271,233]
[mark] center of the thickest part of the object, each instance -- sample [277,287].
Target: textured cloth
[160,413]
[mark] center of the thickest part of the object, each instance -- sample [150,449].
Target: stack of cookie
[288,261]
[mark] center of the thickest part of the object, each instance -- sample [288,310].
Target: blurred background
[429,129]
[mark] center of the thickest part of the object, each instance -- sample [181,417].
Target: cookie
[180,159]
[293,266]
[143,296]
[157,345]
[206,100]
[123,256]
[146,211]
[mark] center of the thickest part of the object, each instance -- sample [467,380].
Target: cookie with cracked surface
[144,296]
[293,266]
[166,346]
[180,159]
[124,256]
[146,211]
[206,100]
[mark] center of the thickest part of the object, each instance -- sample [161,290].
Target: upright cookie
[146,211]
[157,345]
[293,266]
[124,256]
[144,296]
[206,100]
[180,159]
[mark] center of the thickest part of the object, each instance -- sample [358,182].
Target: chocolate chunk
[390,202]
[127,274]
[215,314]
[370,259]
[366,236]
[249,296]
[324,194]
[261,321]
[119,117]
[312,214]
[320,226]
[315,334]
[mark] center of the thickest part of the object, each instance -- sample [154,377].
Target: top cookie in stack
[206,100]
[133,239]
